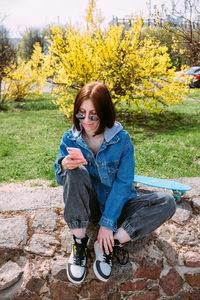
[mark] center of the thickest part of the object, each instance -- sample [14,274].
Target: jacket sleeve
[121,188]
[59,175]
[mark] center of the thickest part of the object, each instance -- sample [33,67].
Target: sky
[19,15]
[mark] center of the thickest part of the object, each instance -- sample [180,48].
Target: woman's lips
[87,124]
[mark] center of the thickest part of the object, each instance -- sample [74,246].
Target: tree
[7,53]
[167,38]
[94,17]
[137,71]
[184,26]
[29,39]
[23,77]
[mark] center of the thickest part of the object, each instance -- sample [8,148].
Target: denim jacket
[111,171]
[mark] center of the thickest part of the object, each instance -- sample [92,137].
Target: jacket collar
[109,133]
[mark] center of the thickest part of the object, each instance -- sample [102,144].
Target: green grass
[29,143]
[166,146]
[194,94]
[33,102]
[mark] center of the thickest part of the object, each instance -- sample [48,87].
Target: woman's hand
[70,163]
[105,239]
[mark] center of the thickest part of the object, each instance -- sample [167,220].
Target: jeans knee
[170,204]
[78,174]
[81,170]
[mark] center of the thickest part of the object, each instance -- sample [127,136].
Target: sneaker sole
[97,273]
[74,281]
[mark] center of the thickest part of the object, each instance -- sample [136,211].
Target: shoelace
[107,257]
[80,250]
[80,253]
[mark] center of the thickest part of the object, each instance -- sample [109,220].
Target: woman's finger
[70,163]
[105,239]
[106,248]
[109,244]
[100,241]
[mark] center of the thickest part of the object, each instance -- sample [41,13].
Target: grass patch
[194,94]
[166,146]
[32,102]
[29,144]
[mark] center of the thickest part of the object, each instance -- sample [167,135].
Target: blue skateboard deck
[178,188]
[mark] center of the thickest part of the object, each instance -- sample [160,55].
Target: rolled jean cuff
[77,224]
[129,230]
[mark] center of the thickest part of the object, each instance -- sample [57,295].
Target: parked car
[194,73]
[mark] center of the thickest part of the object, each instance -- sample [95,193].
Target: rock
[149,269]
[194,183]
[44,290]
[45,220]
[183,213]
[163,233]
[35,214]
[26,295]
[66,239]
[31,280]
[186,238]
[193,295]
[13,233]
[42,244]
[44,268]
[31,198]
[130,286]
[169,251]
[92,232]
[7,254]
[152,294]
[171,283]
[196,204]
[11,291]
[138,245]
[114,296]
[121,273]
[149,250]
[59,269]
[9,274]
[181,259]
[95,289]
[193,279]
[192,259]
[31,284]
[60,291]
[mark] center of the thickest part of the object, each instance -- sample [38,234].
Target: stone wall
[35,243]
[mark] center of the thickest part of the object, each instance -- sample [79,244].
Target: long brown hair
[98,93]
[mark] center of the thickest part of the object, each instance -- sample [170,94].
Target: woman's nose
[87,115]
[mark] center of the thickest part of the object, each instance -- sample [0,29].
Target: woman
[98,185]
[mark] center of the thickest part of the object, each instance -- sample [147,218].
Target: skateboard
[177,188]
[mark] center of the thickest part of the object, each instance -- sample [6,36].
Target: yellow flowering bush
[137,71]
[136,68]
[25,77]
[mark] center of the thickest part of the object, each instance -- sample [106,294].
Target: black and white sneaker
[103,263]
[76,265]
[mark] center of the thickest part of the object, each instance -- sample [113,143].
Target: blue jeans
[139,217]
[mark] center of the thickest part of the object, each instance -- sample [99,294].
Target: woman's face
[87,109]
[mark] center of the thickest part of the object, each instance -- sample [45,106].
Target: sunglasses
[82,117]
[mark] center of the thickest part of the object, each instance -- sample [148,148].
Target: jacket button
[105,177]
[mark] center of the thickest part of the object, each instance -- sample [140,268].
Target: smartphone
[75,153]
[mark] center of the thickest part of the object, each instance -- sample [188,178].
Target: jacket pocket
[112,168]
